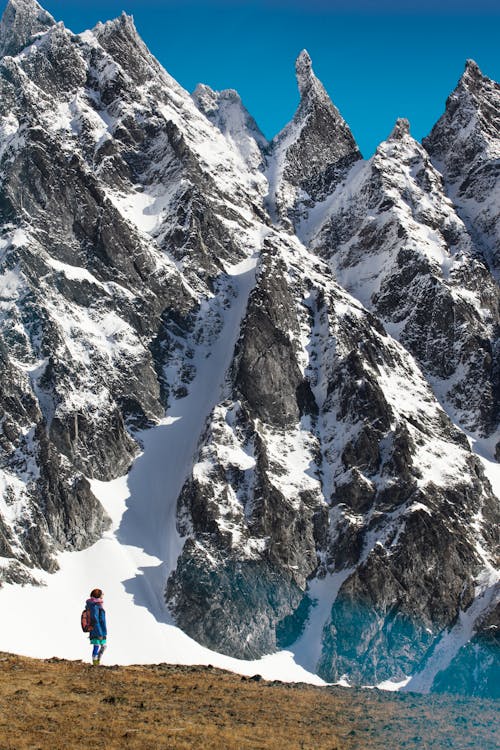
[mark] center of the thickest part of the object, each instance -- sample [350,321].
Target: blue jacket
[98,619]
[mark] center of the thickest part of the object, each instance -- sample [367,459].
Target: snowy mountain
[21,22]
[464,146]
[394,240]
[250,389]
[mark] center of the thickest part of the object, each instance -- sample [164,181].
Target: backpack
[86,620]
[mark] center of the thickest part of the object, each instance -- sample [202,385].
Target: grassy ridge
[63,705]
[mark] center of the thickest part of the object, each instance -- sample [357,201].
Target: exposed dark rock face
[269,376]
[371,515]
[241,600]
[46,506]
[334,499]
[311,154]
[251,542]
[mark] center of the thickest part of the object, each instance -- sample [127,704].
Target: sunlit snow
[132,561]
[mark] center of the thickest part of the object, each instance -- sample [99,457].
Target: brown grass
[61,705]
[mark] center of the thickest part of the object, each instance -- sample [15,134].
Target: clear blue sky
[378,59]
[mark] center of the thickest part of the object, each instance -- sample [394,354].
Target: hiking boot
[95,662]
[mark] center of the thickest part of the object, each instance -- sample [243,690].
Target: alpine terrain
[250,388]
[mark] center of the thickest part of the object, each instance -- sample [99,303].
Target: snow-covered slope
[248,438]
[225,109]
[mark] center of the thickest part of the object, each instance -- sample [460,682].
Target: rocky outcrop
[22,22]
[311,154]
[383,508]
[464,146]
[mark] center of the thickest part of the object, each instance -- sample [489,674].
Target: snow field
[132,561]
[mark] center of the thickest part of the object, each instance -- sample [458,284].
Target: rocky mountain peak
[123,21]
[476,97]
[464,145]
[312,153]
[310,87]
[305,74]
[204,97]
[119,38]
[227,112]
[303,63]
[472,114]
[207,100]
[122,27]
[126,21]
[400,130]
[472,73]
[21,21]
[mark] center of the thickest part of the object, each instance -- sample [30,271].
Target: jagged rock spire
[123,22]
[472,113]
[305,74]
[313,93]
[21,21]
[472,73]
[401,128]
[312,153]
[465,146]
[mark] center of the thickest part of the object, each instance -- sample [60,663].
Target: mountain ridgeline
[335,499]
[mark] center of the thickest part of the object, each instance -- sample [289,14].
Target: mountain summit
[22,20]
[464,145]
[250,387]
[306,80]
[312,153]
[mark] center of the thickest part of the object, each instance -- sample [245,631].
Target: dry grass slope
[62,705]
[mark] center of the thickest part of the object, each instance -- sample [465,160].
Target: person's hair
[96,593]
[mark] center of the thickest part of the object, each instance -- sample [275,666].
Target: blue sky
[378,59]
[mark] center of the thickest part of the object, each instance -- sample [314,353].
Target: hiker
[98,618]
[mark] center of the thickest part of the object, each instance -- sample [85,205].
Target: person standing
[98,634]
